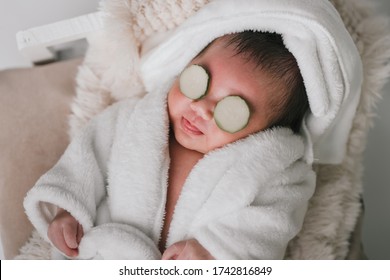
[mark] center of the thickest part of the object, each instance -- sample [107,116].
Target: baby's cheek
[217,138]
[177,102]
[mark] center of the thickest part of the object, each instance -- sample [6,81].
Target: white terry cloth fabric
[243,201]
[312,31]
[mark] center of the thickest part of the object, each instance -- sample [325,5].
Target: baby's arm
[77,183]
[65,233]
[187,250]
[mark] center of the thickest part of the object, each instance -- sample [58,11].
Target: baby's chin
[199,146]
[202,149]
[193,147]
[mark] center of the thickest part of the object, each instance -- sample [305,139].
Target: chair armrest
[38,43]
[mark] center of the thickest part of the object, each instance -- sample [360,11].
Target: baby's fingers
[56,235]
[80,233]
[187,250]
[172,252]
[70,235]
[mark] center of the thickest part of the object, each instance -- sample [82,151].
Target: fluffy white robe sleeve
[78,184]
[77,181]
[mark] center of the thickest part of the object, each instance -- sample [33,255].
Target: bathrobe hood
[312,31]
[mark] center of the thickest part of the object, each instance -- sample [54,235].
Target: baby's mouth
[189,127]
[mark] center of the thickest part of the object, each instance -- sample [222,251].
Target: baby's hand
[187,250]
[65,233]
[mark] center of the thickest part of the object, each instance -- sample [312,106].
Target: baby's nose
[203,109]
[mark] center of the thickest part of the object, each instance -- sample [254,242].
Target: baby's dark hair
[269,53]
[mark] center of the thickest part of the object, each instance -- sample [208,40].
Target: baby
[227,179]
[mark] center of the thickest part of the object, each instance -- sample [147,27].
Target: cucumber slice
[231,114]
[194,82]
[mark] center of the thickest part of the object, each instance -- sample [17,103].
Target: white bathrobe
[243,201]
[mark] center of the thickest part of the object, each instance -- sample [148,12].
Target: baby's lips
[191,127]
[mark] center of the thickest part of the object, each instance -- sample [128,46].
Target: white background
[18,15]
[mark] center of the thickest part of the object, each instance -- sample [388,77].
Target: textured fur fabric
[110,73]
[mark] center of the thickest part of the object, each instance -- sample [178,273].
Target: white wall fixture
[38,44]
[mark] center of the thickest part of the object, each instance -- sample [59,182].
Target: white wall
[18,15]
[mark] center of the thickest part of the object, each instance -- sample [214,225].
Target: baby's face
[193,121]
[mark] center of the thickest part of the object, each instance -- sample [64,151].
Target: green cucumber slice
[194,82]
[231,114]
